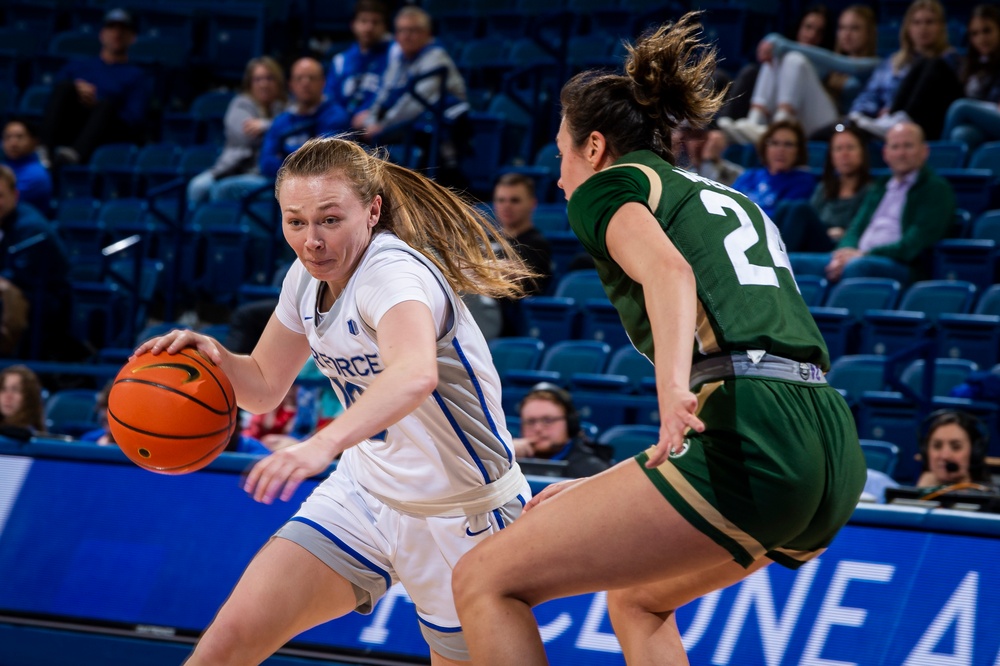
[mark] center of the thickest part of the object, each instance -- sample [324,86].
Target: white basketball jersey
[457,439]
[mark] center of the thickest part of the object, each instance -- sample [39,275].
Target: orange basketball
[172,413]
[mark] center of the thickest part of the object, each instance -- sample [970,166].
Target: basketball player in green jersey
[758,458]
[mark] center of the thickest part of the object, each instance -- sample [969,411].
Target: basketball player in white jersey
[426,465]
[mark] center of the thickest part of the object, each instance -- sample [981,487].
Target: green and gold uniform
[778,469]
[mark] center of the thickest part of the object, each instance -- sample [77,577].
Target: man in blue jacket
[355,74]
[97,100]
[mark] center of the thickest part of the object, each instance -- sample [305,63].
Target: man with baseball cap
[97,100]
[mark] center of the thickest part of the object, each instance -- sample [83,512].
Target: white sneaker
[879,126]
[749,130]
[726,124]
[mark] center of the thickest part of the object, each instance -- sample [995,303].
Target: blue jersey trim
[446,630]
[461,435]
[499,517]
[347,549]
[482,398]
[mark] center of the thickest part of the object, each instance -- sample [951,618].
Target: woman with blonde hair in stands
[426,466]
[248,117]
[808,83]
[918,82]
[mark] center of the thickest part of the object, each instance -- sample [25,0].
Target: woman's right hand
[178,339]
[677,415]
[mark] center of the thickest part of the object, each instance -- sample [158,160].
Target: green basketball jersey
[747,296]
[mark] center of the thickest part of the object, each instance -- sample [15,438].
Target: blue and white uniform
[406,504]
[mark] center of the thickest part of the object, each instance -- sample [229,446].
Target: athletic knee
[222,643]
[629,602]
[467,581]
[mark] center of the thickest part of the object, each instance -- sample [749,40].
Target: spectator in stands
[35,260]
[900,218]
[396,105]
[817,225]
[101,435]
[917,82]
[97,100]
[34,184]
[20,402]
[808,83]
[953,450]
[550,430]
[310,114]
[355,75]
[514,203]
[702,151]
[782,175]
[975,118]
[247,120]
[810,30]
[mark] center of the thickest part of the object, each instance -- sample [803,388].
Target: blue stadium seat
[972,187]
[235,33]
[549,218]
[561,360]
[971,259]
[948,373]
[34,100]
[880,455]
[71,412]
[108,175]
[481,163]
[227,243]
[516,354]
[629,440]
[840,316]
[554,318]
[599,320]
[923,303]
[628,361]
[75,44]
[946,154]
[544,169]
[987,225]
[889,416]
[986,156]
[973,336]
[856,373]
[812,288]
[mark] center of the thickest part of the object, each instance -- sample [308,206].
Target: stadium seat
[71,412]
[628,361]
[554,318]
[987,225]
[856,373]
[840,316]
[986,156]
[629,440]
[75,44]
[812,288]
[889,416]
[919,309]
[561,360]
[971,259]
[549,218]
[516,354]
[971,186]
[880,456]
[945,154]
[975,336]
[948,373]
